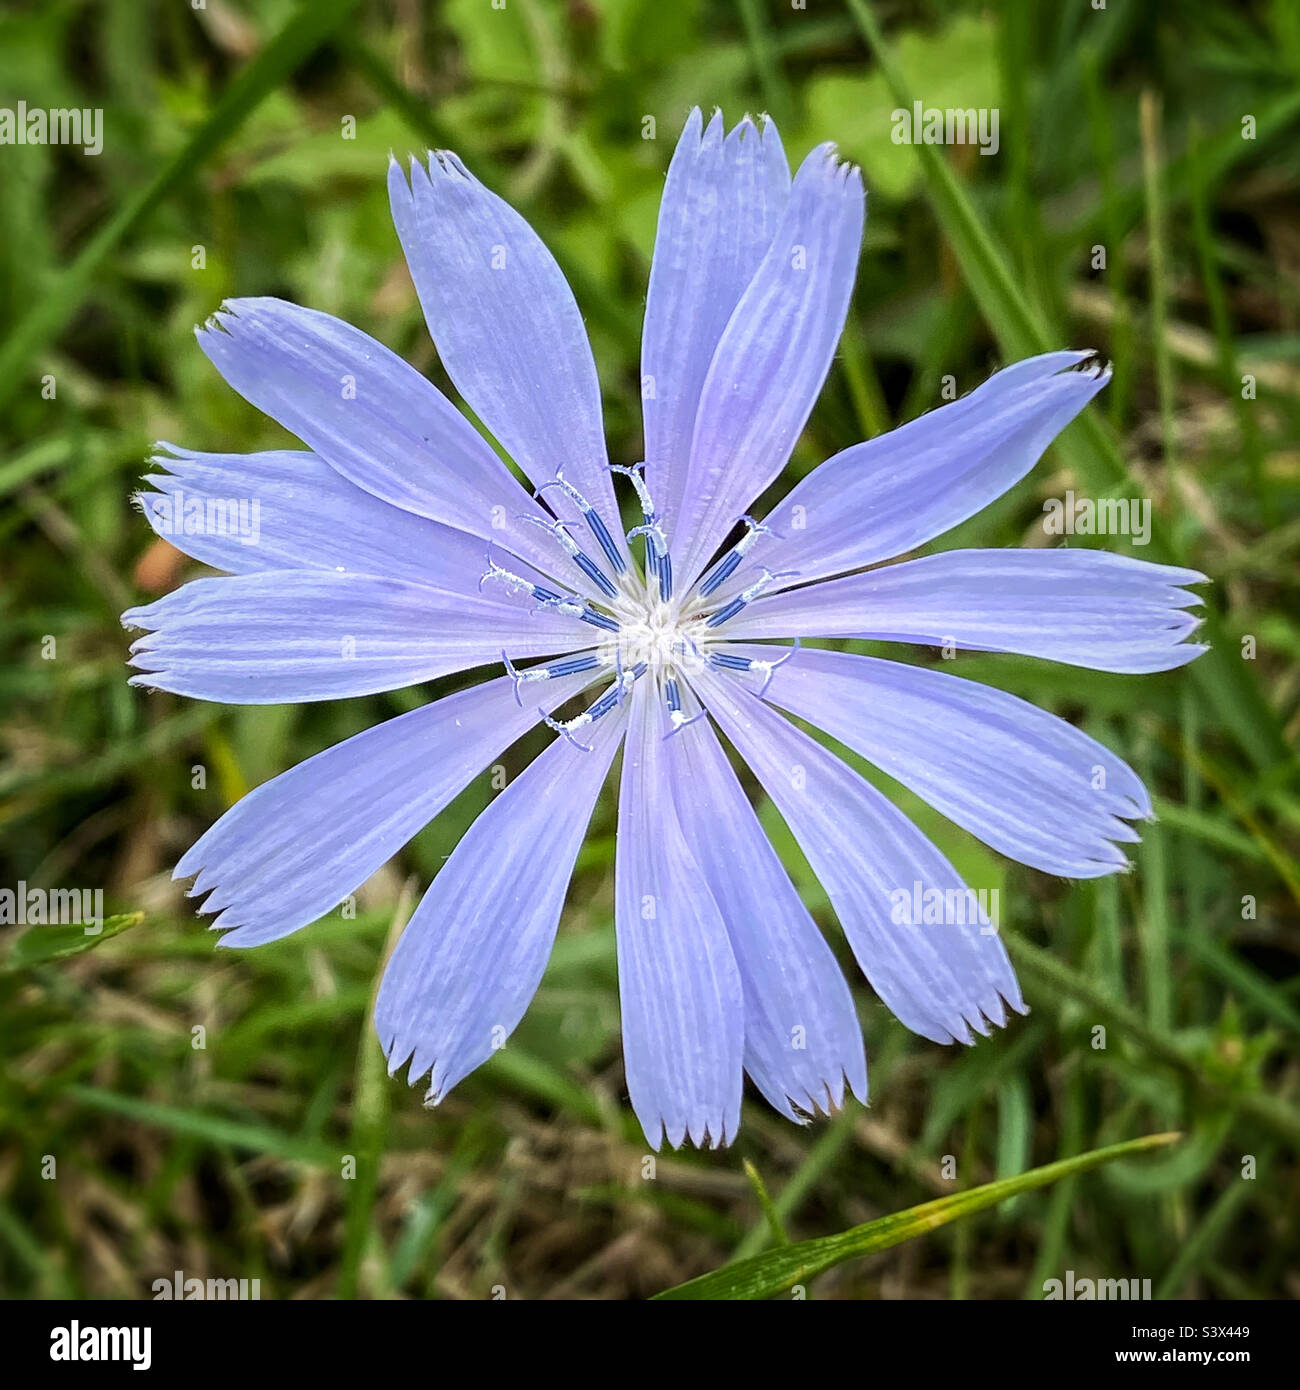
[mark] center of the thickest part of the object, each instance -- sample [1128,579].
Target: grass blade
[781,1269]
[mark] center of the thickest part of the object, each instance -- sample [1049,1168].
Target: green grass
[278,1148]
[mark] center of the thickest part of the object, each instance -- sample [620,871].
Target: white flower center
[647,629]
[657,635]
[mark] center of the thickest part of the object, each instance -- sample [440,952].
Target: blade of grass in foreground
[779,1270]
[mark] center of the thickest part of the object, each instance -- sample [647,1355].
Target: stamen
[634,471]
[770,668]
[548,598]
[665,576]
[618,673]
[654,533]
[560,530]
[747,596]
[651,557]
[592,516]
[575,665]
[728,661]
[514,581]
[609,701]
[727,566]
[657,561]
[595,617]
[679,722]
[580,609]
[570,666]
[676,717]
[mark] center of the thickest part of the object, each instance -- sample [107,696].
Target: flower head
[398,548]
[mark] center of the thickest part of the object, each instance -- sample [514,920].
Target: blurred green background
[225,128]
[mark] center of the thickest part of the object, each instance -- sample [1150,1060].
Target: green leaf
[41,944]
[955,67]
[777,1271]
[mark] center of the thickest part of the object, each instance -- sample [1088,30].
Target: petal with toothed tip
[305,515]
[802,1036]
[876,500]
[682,999]
[773,356]
[289,636]
[1089,608]
[295,847]
[1023,780]
[472,956]
[371,416]
[940,980]
[506,326]
[722,201]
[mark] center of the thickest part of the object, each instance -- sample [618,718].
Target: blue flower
[399,548]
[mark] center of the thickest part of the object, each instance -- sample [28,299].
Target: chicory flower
[398,548]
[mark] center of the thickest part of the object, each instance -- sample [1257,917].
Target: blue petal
[1087,608]
[286,636]
[505,324]
[1024,781]
[371,416]
[887,496]
[802,1037]
[472,956]
[295,847]
[682,1000]
[306,516]
[939,980]
[773,356]
[722,201]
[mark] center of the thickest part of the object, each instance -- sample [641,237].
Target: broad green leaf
[777,1271]
[956,67]
[41,944]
